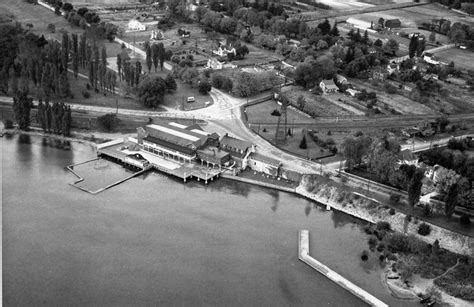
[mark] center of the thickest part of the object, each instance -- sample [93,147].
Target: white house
[223,51]
[391,68]
[216,64]
[156,35]
[328,86]
[135,25]
[360,24]
[430,58]
[352,92]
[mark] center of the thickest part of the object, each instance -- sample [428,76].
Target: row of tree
[55,118]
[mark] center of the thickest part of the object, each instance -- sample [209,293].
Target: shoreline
[419,285]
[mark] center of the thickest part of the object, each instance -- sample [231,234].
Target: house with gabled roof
[328,86]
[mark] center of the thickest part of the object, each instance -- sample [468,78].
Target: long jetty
[303,255]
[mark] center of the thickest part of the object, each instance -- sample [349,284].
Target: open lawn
[261,113]
[463,59]
[38,16]
[313,151]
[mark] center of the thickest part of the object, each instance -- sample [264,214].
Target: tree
[108,121]
[391,47]
[21,109]
[151,91]
[457,33]
[301,102]
[68,7]
[451,200]
[325,27]
[354,149]
[204,87]
[413,46]
[414,187]
[138,71]
[303,144]
[170,83]
[149,58]
[334,30]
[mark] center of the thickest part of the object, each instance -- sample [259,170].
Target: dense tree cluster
[55,118]
[151,90]
[21,109]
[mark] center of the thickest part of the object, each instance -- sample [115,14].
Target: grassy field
[313,151]
[463,59]
[38,16]
[411,17]
[261,113]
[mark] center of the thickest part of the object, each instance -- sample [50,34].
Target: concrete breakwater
[303,255]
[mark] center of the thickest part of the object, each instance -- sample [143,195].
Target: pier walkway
[303,255]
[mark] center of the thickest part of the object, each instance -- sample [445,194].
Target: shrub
[368,229]
[464,219]
[372,242]
[382,225]
[380,247]
[276,113]
[264,130]
[8,124]
[391,211]
[204,87]
[108,121]
[86,94]
[424,229]
[365,255]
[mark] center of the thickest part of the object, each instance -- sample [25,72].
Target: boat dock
[303,255]
[117,150]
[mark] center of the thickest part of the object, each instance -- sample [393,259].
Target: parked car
[190,99]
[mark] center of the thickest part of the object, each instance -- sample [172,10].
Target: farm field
[38,16]
[412,16]
[344,5]
[397,102]
[321,106]
[462,59]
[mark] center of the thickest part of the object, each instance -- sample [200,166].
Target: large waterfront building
[183,144]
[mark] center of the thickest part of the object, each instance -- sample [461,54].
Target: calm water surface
[156,241]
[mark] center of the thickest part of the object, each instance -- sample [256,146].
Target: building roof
[176,134]
[185,150]
[212,154]
[228,141]
[270,161]
[407,155]
[329,83]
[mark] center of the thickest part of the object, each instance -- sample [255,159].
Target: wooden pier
[303,255]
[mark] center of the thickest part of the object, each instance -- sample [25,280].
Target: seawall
[260,183]
[361,208]
[303,255]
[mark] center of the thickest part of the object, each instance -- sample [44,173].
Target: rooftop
[265,159]
[228,141]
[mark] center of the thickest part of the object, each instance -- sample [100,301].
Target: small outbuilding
[135,25]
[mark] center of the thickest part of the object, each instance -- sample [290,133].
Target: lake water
[156,241]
